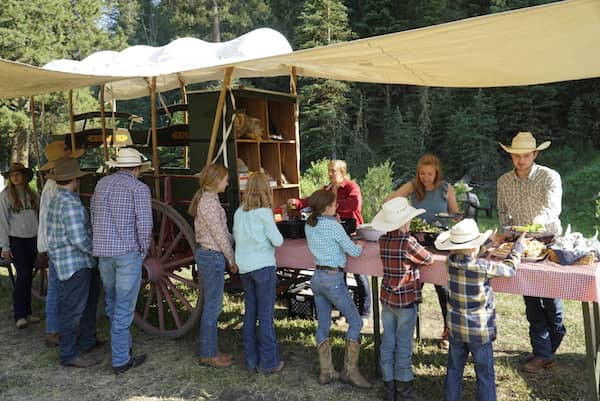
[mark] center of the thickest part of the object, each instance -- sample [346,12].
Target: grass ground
[30,371]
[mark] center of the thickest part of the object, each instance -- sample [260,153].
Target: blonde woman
[19,206]
[214,253]
[256,237]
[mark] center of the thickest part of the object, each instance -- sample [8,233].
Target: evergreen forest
[365,124]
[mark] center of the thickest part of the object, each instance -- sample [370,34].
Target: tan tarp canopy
[554,42]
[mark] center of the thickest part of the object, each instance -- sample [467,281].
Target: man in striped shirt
[121,210]
[532,194]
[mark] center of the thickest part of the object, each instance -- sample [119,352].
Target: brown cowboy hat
[65,170]
[58,150]
[19,167]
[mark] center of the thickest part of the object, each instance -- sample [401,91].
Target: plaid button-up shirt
[329,243]
[69,234]
[471,306]
[121,209]
[536,199]
[401,256]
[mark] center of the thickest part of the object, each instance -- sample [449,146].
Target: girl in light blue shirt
[329,244]
[256,237]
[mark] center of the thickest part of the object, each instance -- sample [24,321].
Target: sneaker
[133,362]
[81,362]
[537,364]
[21,323]
[51,340]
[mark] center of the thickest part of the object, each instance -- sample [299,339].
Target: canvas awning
[549,43]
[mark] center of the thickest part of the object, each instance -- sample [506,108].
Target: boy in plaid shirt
[471,309]
[401,256]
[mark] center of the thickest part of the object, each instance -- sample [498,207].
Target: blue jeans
[77,302]
[397,342]
[363,293]
[52,323]
[483,358]
[329,289]
[546,325]
[262,350]
[24,252]
[121,278]
[211,269]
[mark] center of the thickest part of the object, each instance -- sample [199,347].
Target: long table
[540,279]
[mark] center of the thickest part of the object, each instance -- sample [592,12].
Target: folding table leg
[591,324]
[376,328]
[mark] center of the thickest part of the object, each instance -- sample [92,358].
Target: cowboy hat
[19,167]
[524,142]
[394,214]
[128,157]
[464,235]
[66,169]
[58,150]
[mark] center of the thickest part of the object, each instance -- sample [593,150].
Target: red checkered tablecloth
[541,279]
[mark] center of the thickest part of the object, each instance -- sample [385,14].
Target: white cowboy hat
[128,157]
[464,235]
[58,150]
[65,170]
[394,214]
[524,142]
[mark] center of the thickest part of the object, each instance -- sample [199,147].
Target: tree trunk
[216,25]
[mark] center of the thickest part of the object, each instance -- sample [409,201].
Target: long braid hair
[318,202]
[208,180]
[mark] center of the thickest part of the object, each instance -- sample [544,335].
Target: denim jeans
[397,342]
[329,289]
[52,323]
[211,269]
[546,325]
[121,278]
[363,295]
[24,252]
[262,350]
[483,358]
[77,302]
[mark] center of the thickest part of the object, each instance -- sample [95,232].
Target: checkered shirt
[536,199]
[121,210]
[471,307]
[401,256]
[69,234]
[329,243]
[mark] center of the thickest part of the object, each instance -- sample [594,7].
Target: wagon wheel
[39,285]
[170,300]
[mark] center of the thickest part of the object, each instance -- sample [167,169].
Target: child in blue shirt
[329,244]
[256,237]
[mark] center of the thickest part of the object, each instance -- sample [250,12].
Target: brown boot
[405,391]
[51,339]
[350,372]
[328,372]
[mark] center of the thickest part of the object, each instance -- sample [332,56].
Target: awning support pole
[103,122]
[217,120]
[154,139]
[71,120]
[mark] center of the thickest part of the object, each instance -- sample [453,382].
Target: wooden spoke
[188,282]
[165,290]
[180,297]
[171,247]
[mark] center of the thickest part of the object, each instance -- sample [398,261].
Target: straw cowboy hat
[394,214]
[524,142]
[65,170]
[19,167]
[129,157]
[58,150]
[464,235]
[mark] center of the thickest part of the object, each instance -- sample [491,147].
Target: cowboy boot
[405,391]
[389,391]
[328,372]
[350,372]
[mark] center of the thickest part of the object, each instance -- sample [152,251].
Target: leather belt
[319,267]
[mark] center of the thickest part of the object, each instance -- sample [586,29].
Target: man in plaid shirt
[70,248]
[121,209]
[401,256]
[472,313]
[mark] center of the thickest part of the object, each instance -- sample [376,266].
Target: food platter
[534,252]
[449,215]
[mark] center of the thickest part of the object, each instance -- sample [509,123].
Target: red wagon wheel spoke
[170,303]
